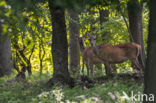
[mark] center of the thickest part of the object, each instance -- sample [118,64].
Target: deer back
[119,53]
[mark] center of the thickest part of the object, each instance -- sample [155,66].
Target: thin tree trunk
[150,70]
[93,22]
[92,28]
[41,55]
[104,14]
[142,57]
[59,46]
[135,25]
[6,63]
[74,49]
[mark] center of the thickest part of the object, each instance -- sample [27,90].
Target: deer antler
[95,35]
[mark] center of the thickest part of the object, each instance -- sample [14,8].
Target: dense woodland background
[40,49]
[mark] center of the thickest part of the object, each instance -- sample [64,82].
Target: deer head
[81,41]
[92,40]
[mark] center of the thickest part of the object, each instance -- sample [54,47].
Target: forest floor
[33,90]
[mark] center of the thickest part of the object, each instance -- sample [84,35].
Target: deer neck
[95,49]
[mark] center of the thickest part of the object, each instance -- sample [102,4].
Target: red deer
[89,58]
[115,54]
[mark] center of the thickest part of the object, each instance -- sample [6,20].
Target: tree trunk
[104,14]
[59,45]
[6,63]
[74,50]
[135,25]
[150,70]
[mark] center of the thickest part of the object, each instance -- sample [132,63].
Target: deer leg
[92,70]
[83,66]
[99,66]
[135,64]
[138,65]
[110,70]
[113,68]
[107,68]
[87,65]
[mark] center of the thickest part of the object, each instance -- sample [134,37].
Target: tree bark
[135,25]
[74,50]
[150,70]
[6,63]
[59,45]
[104,14]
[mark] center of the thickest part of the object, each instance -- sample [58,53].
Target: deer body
[114,54]
[119,54]
[89,57]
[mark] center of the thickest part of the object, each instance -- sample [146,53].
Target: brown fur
[114,54]
[90,59]
[120,53]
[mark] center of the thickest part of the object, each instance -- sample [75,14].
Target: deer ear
[88,35]
[94,36]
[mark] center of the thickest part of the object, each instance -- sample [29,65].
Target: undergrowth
[34,91]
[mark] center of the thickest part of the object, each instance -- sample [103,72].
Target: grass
[34,91]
